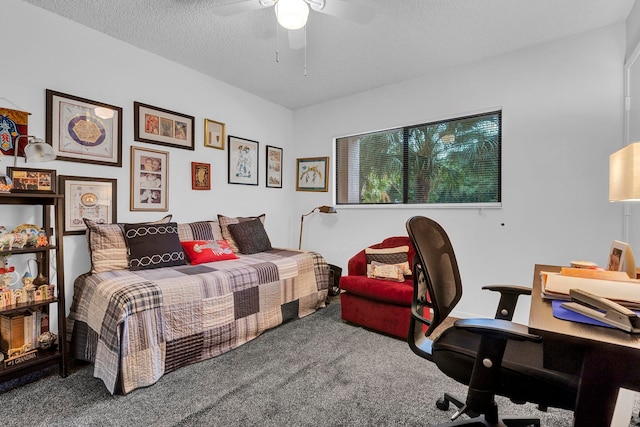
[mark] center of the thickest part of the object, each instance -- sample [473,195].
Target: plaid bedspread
[135,326]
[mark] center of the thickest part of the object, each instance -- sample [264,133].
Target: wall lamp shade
[36,150]
[321,209]
[292,14]
[624,174]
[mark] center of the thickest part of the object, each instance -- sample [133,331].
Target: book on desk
[603,296]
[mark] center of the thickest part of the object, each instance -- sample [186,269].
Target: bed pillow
[153,246]
[378,270]
[225,221]
[200,230]
[199,251]
[397,256]
[107,247]
[250,236]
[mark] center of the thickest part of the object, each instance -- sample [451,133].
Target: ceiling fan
[293,14]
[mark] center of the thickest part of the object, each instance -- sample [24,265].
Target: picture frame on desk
[621,258]
[28,180]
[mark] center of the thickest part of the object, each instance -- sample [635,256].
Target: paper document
[557,285]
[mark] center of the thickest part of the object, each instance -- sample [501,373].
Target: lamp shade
[38,151]
[292,14]
[624,174]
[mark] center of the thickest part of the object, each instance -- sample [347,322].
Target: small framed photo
[159,126]
[243,161]
[32,180]
[312,174]
[214,134]
[621,258]
[274,167]
[200,176]
[149,180]
[82,130]
[91,198]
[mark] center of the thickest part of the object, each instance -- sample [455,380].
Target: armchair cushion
[357,265]
[380,290]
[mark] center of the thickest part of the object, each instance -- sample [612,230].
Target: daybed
[136,323]
[376,303]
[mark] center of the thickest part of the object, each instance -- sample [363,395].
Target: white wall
[562,117]
[45,51]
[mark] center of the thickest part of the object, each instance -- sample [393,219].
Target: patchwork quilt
[135,326]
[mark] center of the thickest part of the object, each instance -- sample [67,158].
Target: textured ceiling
[407,38]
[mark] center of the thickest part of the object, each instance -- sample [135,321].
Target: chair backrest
[437,283]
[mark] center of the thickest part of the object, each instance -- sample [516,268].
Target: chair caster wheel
[442,404]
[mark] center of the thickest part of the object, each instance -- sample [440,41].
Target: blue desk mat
[565,314]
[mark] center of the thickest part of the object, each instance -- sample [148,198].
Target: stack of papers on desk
[615,286]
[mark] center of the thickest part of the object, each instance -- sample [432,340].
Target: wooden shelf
[26,305]
[50,202]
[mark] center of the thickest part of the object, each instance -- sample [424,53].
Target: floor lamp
[321,209]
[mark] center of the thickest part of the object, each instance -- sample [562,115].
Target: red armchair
[381,305]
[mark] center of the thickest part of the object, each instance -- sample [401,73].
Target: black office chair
[491,356]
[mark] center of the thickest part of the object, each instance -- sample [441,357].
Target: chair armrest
[508,299]
[498,328]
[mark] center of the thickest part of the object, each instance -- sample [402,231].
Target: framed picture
[149,180]
[82,130]
[214,134]
[91,198]
[274,167]
[159,126]
[32,180]
[243,161]
[312,174]
[621,258]
[200,176]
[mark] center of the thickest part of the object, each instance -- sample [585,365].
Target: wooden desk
[605,358]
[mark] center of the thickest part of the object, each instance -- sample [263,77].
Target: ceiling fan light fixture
[292,14]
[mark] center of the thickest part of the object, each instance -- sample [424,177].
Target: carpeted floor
[317,371]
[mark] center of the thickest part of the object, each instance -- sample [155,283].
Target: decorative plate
[31,231]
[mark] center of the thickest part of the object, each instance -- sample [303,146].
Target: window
[456,161]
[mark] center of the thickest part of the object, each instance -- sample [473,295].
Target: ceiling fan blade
[296,39]
[353,12]
[236,8]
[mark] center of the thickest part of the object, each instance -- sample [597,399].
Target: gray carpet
[317,371]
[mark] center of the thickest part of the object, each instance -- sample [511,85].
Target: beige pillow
[225,221]
[107,246]
[382,271]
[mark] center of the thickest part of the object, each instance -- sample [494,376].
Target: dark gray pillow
[250,236]
[153,245]
[390,258]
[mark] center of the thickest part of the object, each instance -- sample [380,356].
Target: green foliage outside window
[449,162]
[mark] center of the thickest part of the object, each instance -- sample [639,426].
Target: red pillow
[200,251]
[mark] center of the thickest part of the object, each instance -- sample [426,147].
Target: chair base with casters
[491,356]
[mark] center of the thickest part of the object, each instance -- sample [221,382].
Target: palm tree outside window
[449,162]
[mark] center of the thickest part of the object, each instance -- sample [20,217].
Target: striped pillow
[107,246]
[201,230]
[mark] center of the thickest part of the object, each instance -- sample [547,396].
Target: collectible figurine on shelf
[42,239]
[46,340]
